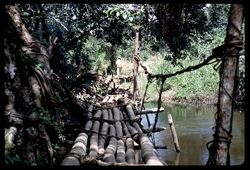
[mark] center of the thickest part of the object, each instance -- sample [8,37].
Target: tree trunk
[219,150]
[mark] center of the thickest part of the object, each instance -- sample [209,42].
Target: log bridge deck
[113,136]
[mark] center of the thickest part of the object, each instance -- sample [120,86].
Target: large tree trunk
[219,150]
[22,53]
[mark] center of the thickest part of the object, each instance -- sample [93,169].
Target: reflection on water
[194,130]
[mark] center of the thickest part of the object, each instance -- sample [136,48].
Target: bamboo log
[120,154]
[137,127]
[104,131]
[124,126]
[78,150]
[109,153]
[157,129]
[130,152]
[94,137]
[89,124]
[130,113]
[110,114]
[151,111]
[132,131]
[174,134]
[101,163]
[105,114]
[80,145]
[118,125]
[147,151]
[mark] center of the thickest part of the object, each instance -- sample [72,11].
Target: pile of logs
[112,136]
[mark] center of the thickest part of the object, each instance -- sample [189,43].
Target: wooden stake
[174,134]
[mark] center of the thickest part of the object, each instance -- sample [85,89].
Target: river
[194,129]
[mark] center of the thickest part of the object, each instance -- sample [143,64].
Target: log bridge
[113,136]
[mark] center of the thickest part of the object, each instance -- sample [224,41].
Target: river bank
[170,97]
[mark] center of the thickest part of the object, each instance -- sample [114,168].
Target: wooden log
[110,114]
[105,114]
[109,153]
[124,126]
[106,98]
[104,131]
[137,127]
[130,152]
[157,129]
[174,134]
[78,150]
[90,111]
[151,111]
[118,125]
[101,163]
[80,145]
[130,113]
[89,124]
[132,130]
[120,154]
[91,92]
[147,151]
[94,137]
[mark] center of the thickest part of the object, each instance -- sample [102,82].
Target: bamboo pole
[79,148]
[94,137]
[118,125]
[104,131]
[124,126]
[130,113]
[147,149]
[151,130]
[130,152]
[120,158]
[109,153]
[174,134]
[151,111]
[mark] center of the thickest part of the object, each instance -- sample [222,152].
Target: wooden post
[136,66]
[219,150]
[174,134]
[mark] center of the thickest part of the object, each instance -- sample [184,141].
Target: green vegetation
[173,36]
